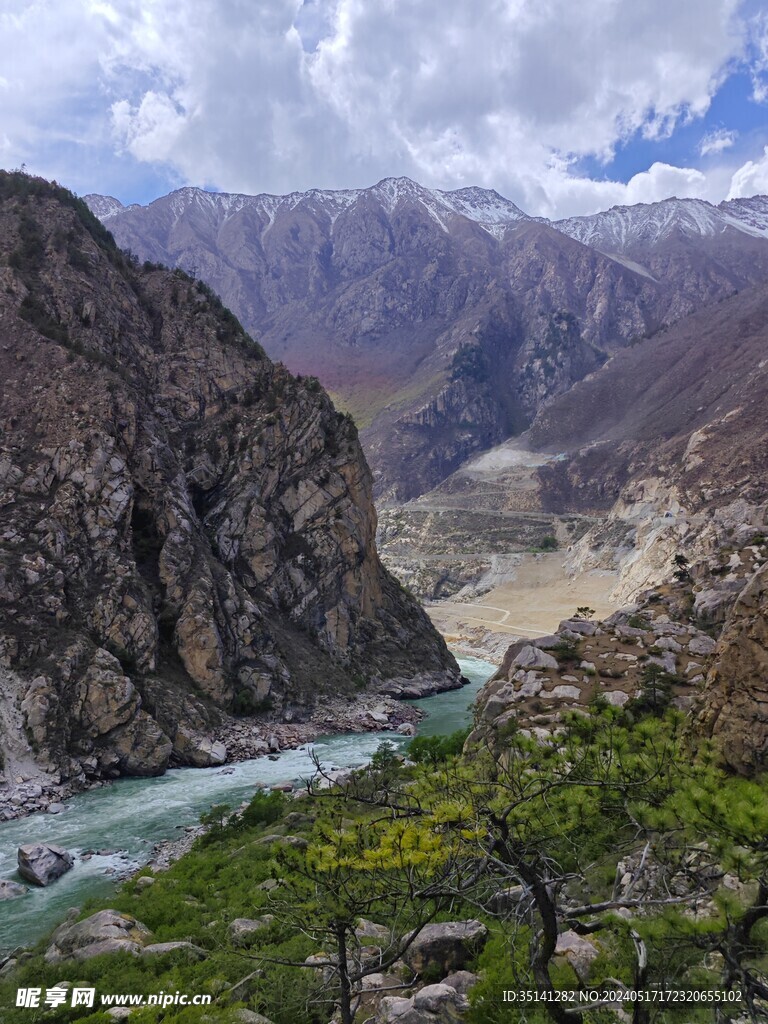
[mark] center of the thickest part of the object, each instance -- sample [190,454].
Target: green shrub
[434,749]
[264,809]
[567,650]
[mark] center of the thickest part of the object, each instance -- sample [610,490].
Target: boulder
[533,657]
[392,1009]
[108,931]
[373,981]
[199,751]
[244,1016]
[666,661]
[712,606]
[42,863]
[462,981]
[438,999]
[578,951]
[506,900]
[10,890]
[581,626]
[433,1004]
[159,948]
[701,644]
[617,698]
[448,946]
[667,643]
[530,685]
[141,747]
[242,928]
[371,930]
[296,841]
[562,693]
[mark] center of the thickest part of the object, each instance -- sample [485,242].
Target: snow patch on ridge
[103,207]
[482,206]
[620,227]
[612,231]
[644,224]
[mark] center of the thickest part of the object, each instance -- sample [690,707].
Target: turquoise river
[124,820]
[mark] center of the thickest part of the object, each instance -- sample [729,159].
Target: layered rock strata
[733,710]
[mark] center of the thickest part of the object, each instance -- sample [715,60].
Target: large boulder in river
[10,890]
[197,750]
[42,863]
[108,931]
[447,947]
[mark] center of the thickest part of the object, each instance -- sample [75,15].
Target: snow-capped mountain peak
[749,215]
[484,207]
[622,227]
[103,207]
[617,231]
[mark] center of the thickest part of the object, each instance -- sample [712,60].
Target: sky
[563,107]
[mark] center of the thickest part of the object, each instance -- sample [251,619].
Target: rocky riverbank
[368,713]
[35,789]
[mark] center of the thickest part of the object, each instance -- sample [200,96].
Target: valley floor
[532,604]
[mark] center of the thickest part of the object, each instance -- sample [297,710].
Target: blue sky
[733,116]
[564,108]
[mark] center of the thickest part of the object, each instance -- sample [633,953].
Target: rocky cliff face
[444,321]
[186,528]
[733,709]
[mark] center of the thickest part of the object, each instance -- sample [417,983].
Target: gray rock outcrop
[733,709]
[446,947]
[609,660]
[432,1004]
[108,931]
[242,929]
[188,949]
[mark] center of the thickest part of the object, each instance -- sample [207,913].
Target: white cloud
[566,195]
[49,57]
[751,178]
[717,141]
[499,98]
[151,130]
[758,40]
[274,95]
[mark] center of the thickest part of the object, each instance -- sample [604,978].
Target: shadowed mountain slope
[689,405]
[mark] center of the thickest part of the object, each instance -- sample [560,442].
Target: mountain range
[445,321]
